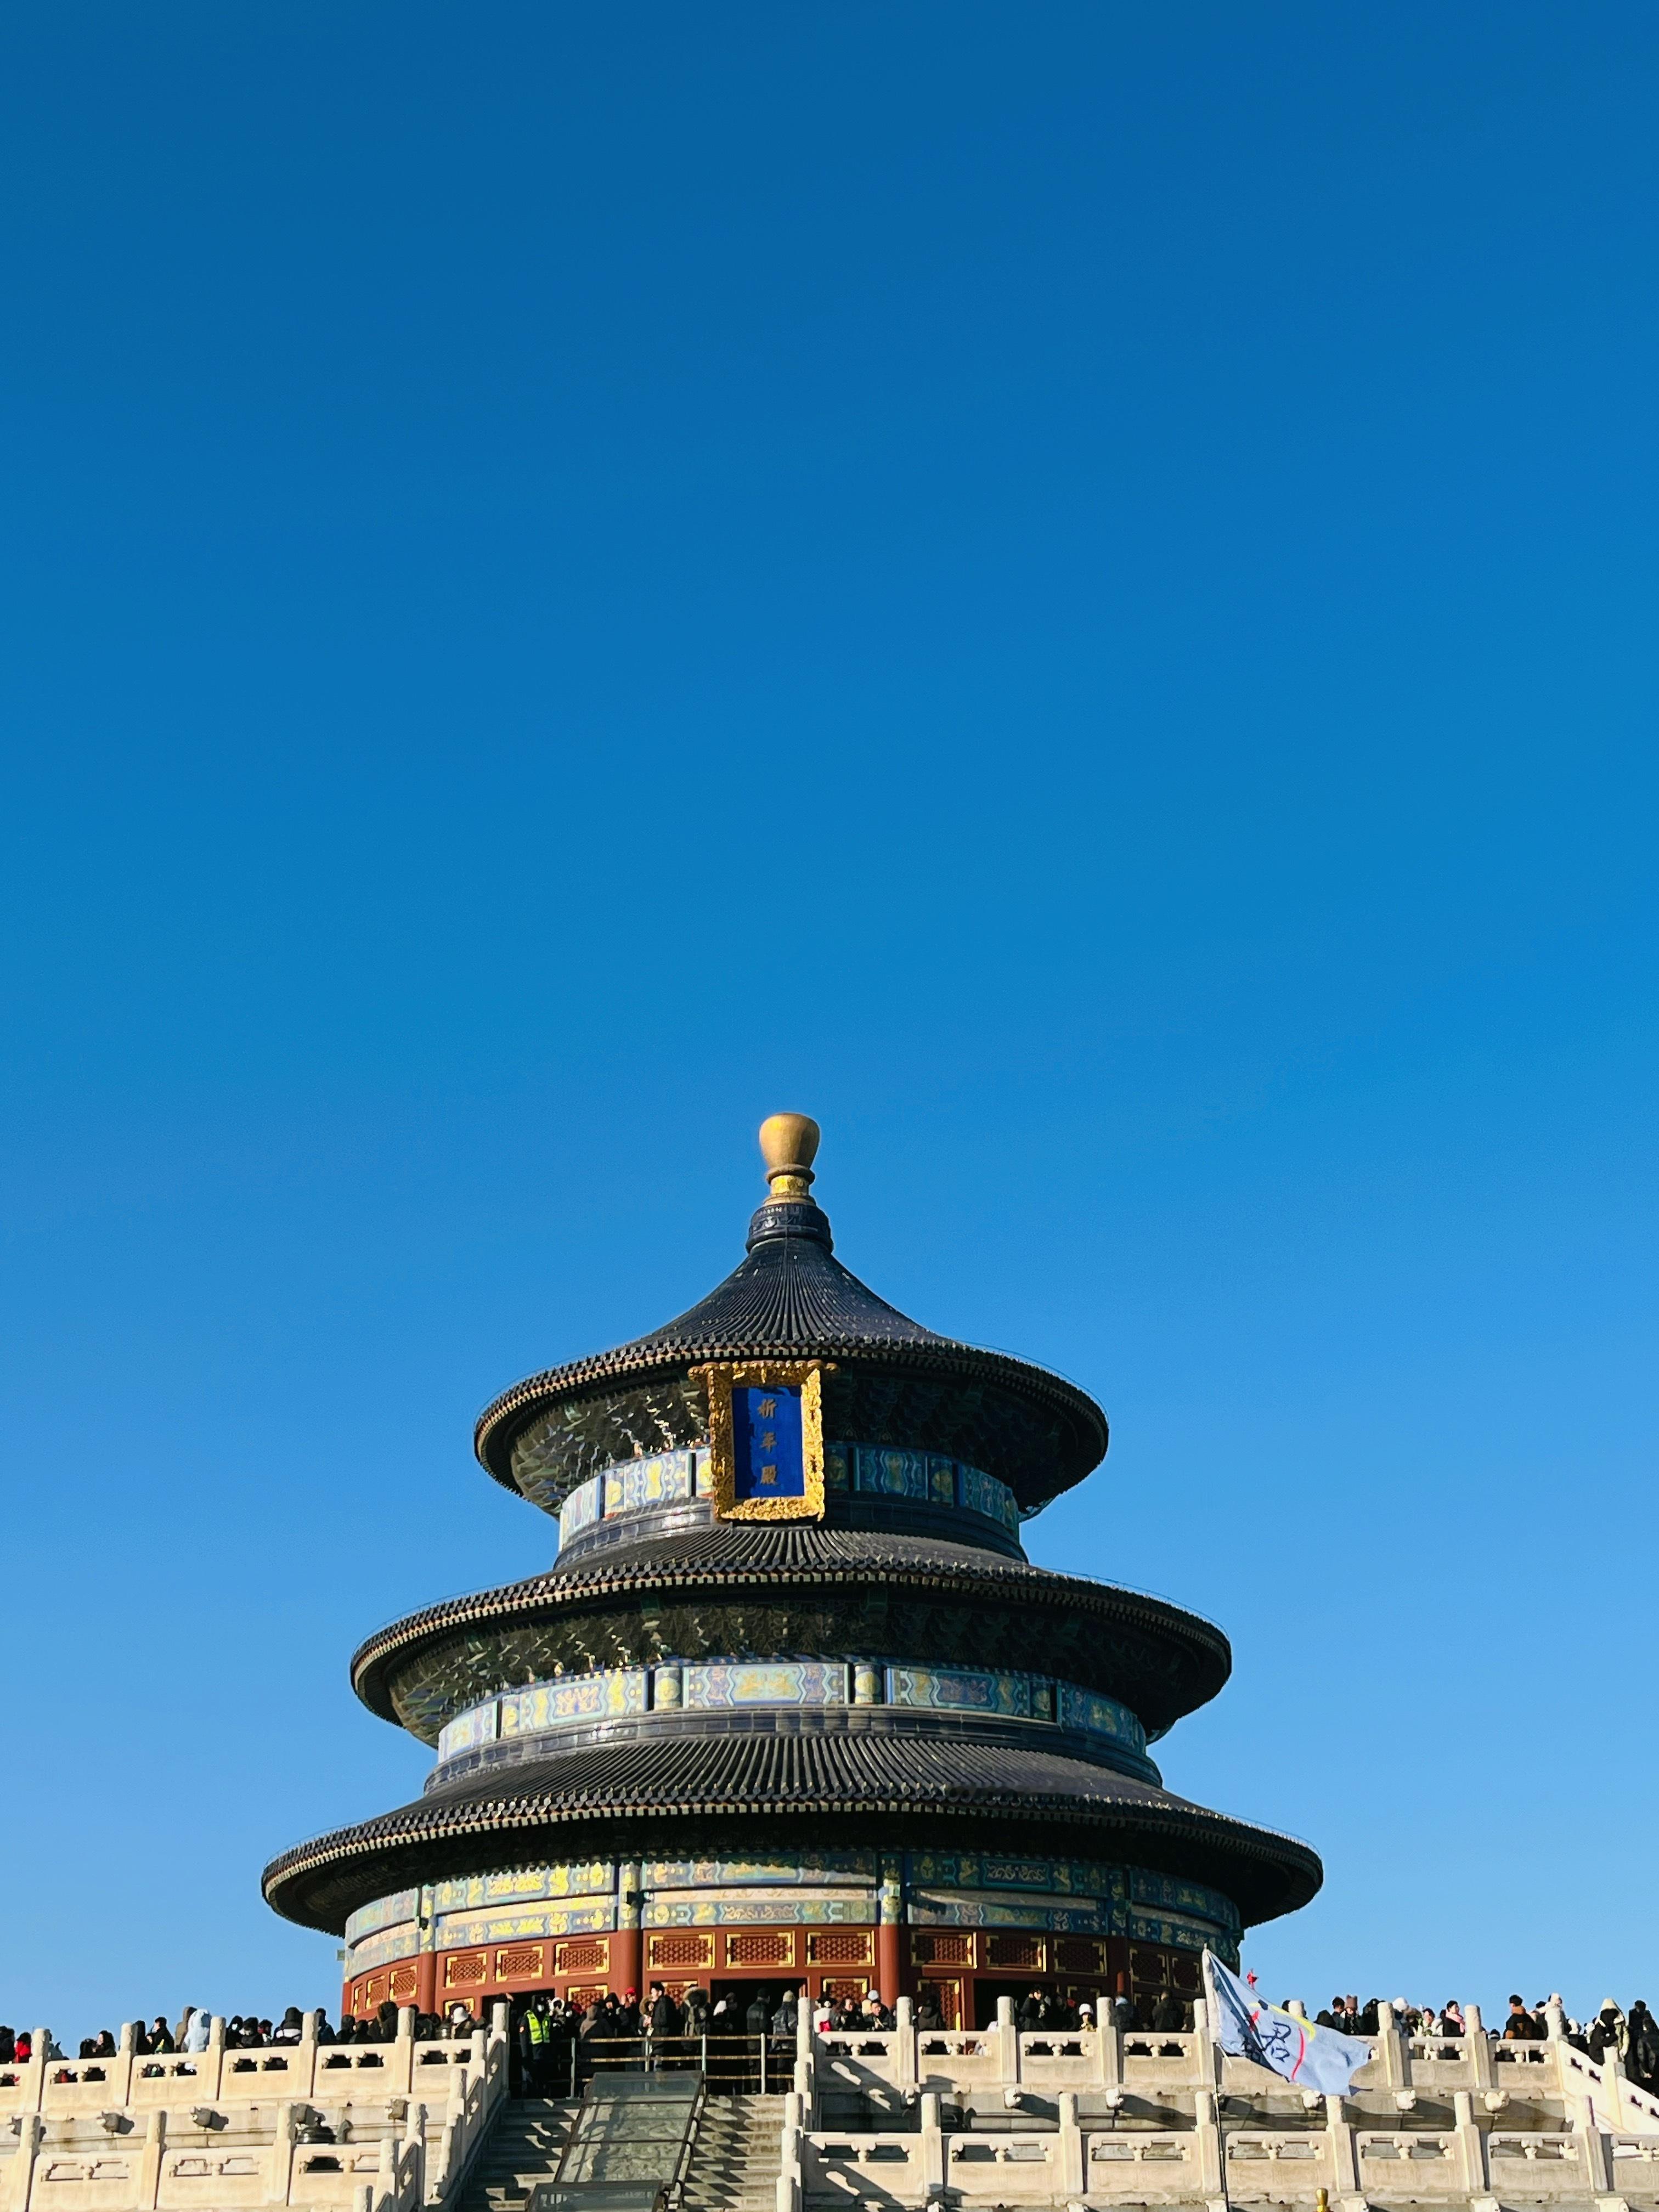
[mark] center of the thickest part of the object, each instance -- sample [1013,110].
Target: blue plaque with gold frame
[766,1437]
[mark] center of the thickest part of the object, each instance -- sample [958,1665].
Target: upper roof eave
[505,1417]
[790,1297]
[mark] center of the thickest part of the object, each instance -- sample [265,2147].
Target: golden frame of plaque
[721,1377]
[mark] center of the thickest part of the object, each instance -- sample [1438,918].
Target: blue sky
[1070,591]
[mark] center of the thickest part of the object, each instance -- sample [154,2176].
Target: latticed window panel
[465,1969]
[942,1947]
[761,1946]
[525,1962]
[588,1955]
[836,1987]
[1079,1954]
[840,1947]
[1025,1954]
[685,1946]
[401,1987]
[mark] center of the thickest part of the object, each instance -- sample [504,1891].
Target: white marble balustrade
[221,2140]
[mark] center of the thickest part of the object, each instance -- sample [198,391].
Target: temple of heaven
[791,1704]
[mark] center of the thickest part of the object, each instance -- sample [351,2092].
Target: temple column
[889,1914]
[426,1960]
[627,1946]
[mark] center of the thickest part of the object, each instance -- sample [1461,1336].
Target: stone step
[737,2155]
[524,2148]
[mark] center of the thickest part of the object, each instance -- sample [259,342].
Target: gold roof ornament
[789,1145]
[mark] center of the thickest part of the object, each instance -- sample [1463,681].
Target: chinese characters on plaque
[766,1456]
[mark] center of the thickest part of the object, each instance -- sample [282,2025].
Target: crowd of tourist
[554,2040]
[761,2016]
[1634,2035]
[243,2032]
[1164,2015]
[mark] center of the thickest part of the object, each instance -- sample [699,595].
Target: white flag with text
[1313,2057]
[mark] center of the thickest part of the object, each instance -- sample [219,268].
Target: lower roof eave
[320,1883]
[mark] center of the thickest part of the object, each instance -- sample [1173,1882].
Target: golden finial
[789,1145]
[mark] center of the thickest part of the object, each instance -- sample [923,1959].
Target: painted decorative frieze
[756,1909]
[470,1731]
[824,1869]
[384,1912]
[384,1949]
[960,1689]
[884,1472]
[665,1478]
[945,1909]
[573,1698]
[584,1506]
[1098,1715]
[1183,1935]
[1171,1893]
[983,1493]
[715,1686]
[636,1486]
[718,1684]
[458,1931]
[468,1892]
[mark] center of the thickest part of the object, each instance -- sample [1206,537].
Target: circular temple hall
[791,1704]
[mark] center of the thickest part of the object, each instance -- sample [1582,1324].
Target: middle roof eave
[748,1557]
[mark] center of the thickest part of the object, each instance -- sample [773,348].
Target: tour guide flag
[1313,2057]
